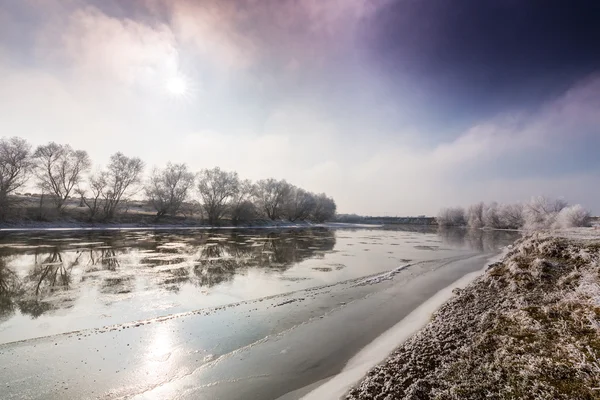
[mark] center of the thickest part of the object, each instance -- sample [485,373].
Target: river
[210,313]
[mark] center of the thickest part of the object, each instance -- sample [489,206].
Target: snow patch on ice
[378,350]
[382,277]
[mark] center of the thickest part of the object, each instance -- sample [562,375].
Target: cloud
[368,176]
[94,45]
[265,106]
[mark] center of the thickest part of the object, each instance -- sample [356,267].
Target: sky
[390,107]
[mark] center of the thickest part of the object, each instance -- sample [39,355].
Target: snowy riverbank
[527,328]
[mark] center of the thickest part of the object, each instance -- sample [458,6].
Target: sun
[177,86]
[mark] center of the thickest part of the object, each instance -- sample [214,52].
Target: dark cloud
[476,58]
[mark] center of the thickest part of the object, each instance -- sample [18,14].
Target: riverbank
[528,328]
[66,226]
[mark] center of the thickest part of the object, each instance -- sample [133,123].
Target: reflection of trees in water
[50,276]
[9,289]
[222,260]
[117,285]
[106,257]
[206,260]
[477,239]
[51,273]
[210,273]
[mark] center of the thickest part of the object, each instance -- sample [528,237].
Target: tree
[270,195]
[167,189]
[491,216]
[15,164]
[59,169]
[573,217]
[541,212]
[451,217]
[218,189]
[475,215]
[242,207]
[97,184]
[299,204]
[511,216]
[324,209]
[122,175]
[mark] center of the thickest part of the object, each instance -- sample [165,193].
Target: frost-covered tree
[491,216]
[451,217]
[324,209]
[511,216]
[299,204]
[541,212]
[218,189]
[270,195]
[15,164]
[168,188]
[59,168]
[475,215]
[573,217]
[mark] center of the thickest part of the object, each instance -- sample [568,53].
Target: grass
[528,329]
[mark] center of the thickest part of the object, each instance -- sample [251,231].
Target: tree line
[539,213]
[61,173]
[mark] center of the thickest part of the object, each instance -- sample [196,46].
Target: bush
[541,212]
[573,217]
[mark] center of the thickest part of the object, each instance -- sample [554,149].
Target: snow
[380,348]
[382,277]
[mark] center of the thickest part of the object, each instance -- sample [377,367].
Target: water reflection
[477,239]
[9,289]
[47,272]
[51,271]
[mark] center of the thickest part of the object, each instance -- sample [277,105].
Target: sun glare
[177,86]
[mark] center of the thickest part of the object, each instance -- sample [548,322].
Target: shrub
[572,217]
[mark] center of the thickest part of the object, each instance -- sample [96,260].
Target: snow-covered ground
[378,350]
[529,327]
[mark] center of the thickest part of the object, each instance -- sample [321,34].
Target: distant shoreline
[52,227]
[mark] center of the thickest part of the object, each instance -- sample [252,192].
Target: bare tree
[122,175]
[15,164]
[97,184]
[299,204]
[491,216]
[325,208]
[475,215]
[451,217]
[242,207]
[511,216]
[59,169]
[270,195]
[168,188]
[218,189]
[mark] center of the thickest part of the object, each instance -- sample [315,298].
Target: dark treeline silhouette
[68,189]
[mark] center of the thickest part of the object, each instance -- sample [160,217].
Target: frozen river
[210,314]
